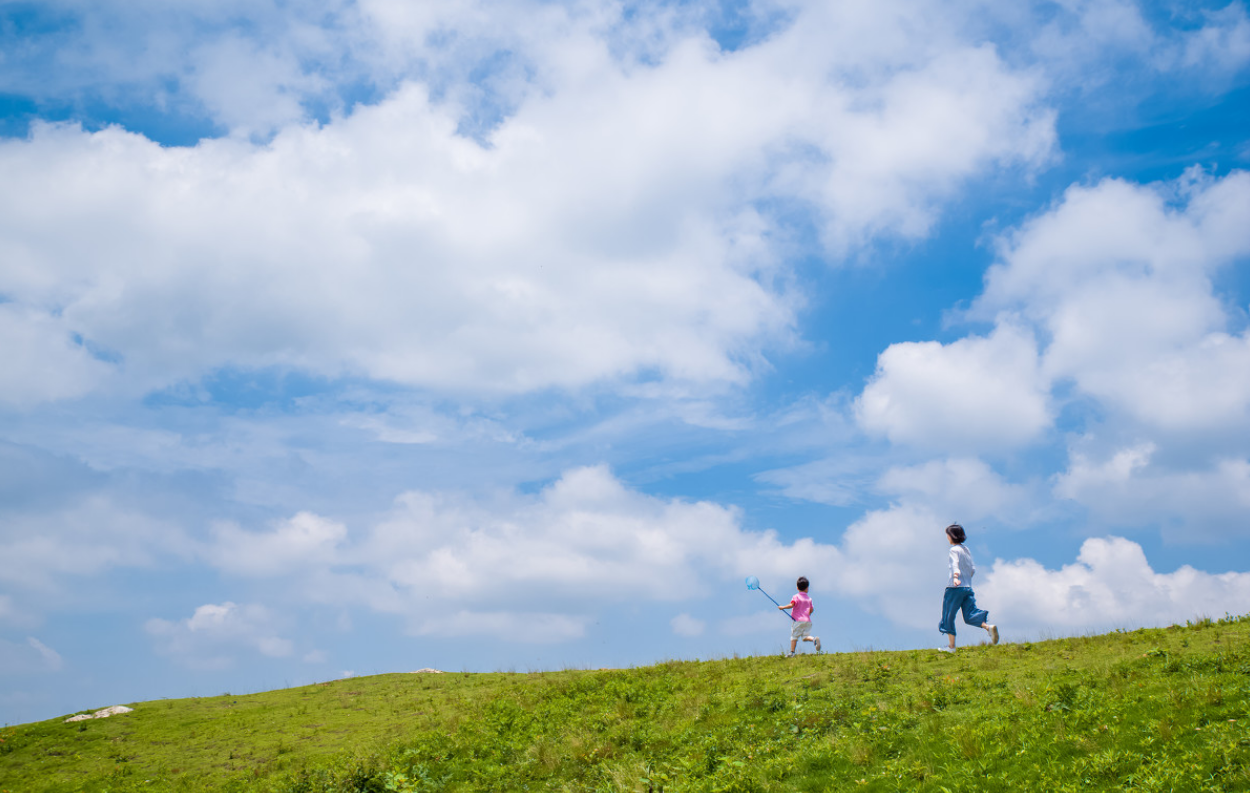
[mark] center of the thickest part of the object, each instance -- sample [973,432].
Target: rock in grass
[100,714]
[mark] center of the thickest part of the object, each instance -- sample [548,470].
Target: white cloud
[305,539]
[214,633]
[978,393]
[1118,277]
[40,360]
[168,57]
[893,561]
[1222,45]
[1082,34]
[1085,44]
[1116,285]
[1129,487]
[685,625]
[249,89]
[1183,230]
[586,532]
[586,540]
[934,125]
[1110,585]
[608,229]
[965,489]
[87,536]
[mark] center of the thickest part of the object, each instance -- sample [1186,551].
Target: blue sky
[354,337]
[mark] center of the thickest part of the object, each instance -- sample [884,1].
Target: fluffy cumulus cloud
[1119,278]
[1129,487]
[444,561]
[961,488]
[1110,585]
[44,359]
[214,635]
[978,393]
[892,562]
[581,241]
[302,540]
[1106,304]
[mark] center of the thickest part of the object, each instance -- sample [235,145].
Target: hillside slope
[1150,710]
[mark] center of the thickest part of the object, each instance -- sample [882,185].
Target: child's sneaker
[950,650]
[816,641]
[993,635]
[790,654]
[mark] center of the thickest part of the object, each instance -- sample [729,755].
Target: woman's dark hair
[802,583]
[956,532]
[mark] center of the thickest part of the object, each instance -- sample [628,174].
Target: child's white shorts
[798,630]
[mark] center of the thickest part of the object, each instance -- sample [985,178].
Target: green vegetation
[1148,710]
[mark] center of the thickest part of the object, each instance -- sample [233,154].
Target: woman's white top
[961,562]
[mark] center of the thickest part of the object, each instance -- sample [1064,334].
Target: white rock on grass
[100,714]
[428,671]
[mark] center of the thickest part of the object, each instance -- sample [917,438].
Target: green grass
[1147,710]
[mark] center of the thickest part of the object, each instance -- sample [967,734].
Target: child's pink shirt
[802,610]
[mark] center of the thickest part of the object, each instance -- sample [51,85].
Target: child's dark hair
[956,532]
[802,583]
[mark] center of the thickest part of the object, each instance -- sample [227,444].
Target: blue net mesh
[753,582]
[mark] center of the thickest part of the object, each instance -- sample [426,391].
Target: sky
[341,337]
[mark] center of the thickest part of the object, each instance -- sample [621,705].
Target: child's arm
[954,566]
[788,605]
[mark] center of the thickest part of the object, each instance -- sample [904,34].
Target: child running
[801,628]
[959,592]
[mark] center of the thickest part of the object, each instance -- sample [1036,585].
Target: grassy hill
[1149,710]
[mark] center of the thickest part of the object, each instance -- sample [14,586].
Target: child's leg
[799,630]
